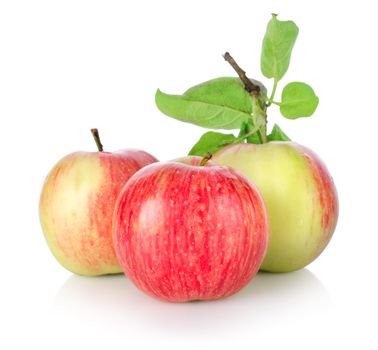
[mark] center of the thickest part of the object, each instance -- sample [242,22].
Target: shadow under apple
[276,299]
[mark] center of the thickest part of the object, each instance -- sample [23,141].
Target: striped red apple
[77,204]
[300,196]
[183,231]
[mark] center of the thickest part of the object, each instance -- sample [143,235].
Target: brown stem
[96,137]
[206,158]
[249,86]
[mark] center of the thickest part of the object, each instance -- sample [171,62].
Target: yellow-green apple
[77,204]
[184,231]
[299,194]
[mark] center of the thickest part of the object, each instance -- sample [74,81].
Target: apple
[188,231]
[77,203]
[299,194]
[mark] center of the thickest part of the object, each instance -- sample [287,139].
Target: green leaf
[221,103]
[277,134]
[246,128]
[211,142]
[298,100]
[277,45]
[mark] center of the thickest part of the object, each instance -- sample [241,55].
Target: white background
[67,66]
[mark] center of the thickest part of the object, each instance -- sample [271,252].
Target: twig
[249,86]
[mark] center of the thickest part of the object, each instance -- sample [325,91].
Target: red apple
[77,204]
[184,232]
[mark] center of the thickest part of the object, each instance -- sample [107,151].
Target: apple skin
[77,204]
[299,194]
[187,232]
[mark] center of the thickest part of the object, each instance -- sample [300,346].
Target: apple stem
[249,86]
[205,158]
[243,137]
[96,137]
[258,101]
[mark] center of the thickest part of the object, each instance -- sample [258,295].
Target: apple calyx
[96,137]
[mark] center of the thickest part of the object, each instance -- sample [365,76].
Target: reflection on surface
[277,299]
